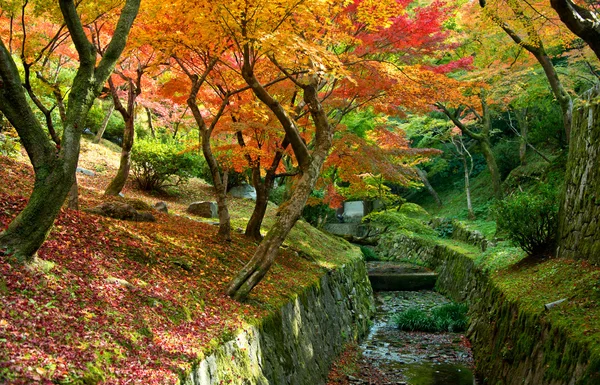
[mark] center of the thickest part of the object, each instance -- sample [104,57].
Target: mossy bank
[515,341]
[297,343]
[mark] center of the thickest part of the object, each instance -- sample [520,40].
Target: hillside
[117,301]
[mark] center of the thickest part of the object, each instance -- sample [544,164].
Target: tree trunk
[26,233]
[309,163]
[260,207]
[524,127]
[490,160]
[100,132]
[73,198]
[265,254]
[150,125]
[429,187]
[118,182]
[579,216]
[471,214]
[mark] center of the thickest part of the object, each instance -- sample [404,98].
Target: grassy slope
[119,301]
[531,283]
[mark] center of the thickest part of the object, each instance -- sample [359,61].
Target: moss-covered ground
[110,301]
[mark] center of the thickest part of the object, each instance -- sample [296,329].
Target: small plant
[530,219]
[445,228]
[414,319]
[450,317]
[368,254]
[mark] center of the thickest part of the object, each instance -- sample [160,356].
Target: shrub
[317,214]
[157,165]
[277,194]
[368,253]
[450,317]
[530,219]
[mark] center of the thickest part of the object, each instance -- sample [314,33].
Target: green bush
[157,165]
[317,214]
[277,194]
[450,317]
[529,219]
[368,254]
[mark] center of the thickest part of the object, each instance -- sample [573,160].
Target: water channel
[416,358]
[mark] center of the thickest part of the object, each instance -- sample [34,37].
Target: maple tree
[130,71]
[55,168]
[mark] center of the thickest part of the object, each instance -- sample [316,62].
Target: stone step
[403,282]
[394,276]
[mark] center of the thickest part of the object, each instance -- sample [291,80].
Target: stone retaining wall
[511,346]
[297,344]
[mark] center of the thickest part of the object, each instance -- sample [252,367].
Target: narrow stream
[416,358]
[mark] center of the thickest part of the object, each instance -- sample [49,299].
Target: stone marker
[243,191]
[84,171]
[203,209]
[354,211]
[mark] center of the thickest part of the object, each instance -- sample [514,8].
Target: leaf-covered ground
[121,302]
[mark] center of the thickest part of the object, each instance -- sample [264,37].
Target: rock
[84,171]
[203,209]
[162,207]
[124,211]
[354,211]
[244,191]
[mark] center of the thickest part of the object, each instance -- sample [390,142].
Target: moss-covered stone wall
[511,345]
[297,344]
[579,227]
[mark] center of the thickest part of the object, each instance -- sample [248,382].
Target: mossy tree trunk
[423,176]
[128,114]
[55,168]
[579,217]
[581,20]
[309,164]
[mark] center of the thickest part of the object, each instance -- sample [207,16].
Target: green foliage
[409,219]
[9,145]
[414,319]
[450,317]
[156,165]
[114,129]
[445,228]
[530,219]
[317,214]
[507,156]
[277,194]
[368,253]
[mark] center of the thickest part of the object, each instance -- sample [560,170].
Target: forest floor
[115,301]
